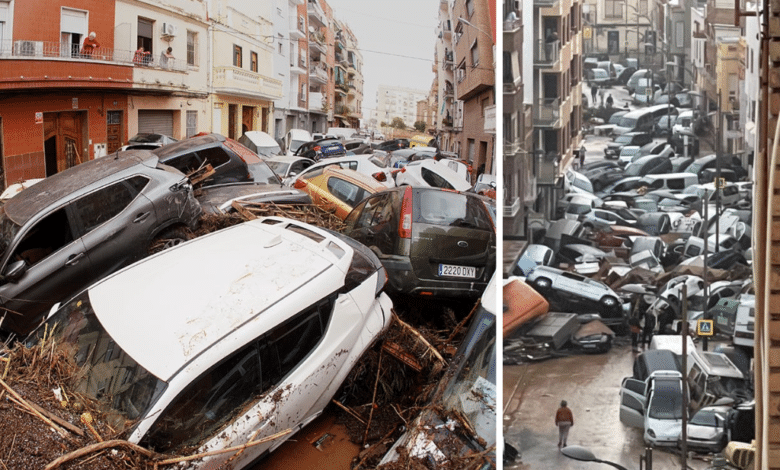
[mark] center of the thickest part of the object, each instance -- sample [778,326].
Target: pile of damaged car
[181,307]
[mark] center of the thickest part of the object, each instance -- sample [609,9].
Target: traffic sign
[705,328]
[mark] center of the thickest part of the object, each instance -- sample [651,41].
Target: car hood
[703,433]
[665,429]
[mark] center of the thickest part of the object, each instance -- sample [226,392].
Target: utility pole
[705,229]
[684,333]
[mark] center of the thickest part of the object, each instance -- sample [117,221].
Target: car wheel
[609,301]
[543,283]
[169,238]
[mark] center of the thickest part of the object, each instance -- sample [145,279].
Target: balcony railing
[319,72]
[547,53]
[48,50]
[547,111]
[343,110]
[317,40]
[235,78]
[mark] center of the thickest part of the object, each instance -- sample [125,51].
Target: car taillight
[300,184]
[380,176]
[317,148]
[405,222]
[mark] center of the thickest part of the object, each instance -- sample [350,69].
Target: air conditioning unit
[168,29]
[28,48]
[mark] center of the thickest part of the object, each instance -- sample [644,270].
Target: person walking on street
[647,330]
[593,92]
[610,101]
[564,419]
[582,156]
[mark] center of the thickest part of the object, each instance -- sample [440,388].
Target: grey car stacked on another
[84,223]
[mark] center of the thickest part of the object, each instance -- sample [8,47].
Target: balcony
[318,73]
[297,28]
[547,54]
[545,3]
[342,110]
[298,67]
[446,30]
[233,80]
[342,88]
[547,112]
[317,42]
[23,49]
[316,14]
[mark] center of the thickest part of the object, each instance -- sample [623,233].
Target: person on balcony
[166,58]
[550,44]
[141,57]
[89,46]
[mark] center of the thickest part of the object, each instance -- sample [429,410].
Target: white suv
[238,335]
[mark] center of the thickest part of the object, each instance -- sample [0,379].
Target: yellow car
[338,189]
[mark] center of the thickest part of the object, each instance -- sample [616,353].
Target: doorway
[232,115]
[113,131]
[247,115]
[63,140]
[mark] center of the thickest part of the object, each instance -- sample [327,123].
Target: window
[44,238]
[642,7]
[103,204]
[475,54]
[471,150]
[192,47]
[238,56]
[613,8]
[460,72]
[253,61]
[145,28]
[215,156]
[345,191]
[73,28]
[192,123]
[239,381]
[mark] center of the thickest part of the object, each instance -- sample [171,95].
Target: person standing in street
[610,101]
[564,419]
[594,90]
[582,156]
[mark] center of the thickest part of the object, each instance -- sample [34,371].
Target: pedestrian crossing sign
[704,328]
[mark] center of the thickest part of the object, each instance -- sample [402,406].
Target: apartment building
[447,108]
[620,28]
[398,102]
[61,104]
[354,76]
[291,65]
[557,92]
[243,83]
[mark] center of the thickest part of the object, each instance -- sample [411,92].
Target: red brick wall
[23,156]
[39,20]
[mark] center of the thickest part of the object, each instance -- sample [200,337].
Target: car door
[56,266]
[116,222]
[345,195]
[374,223]
[451,229]
[632,403]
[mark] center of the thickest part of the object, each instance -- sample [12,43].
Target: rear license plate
[457,271]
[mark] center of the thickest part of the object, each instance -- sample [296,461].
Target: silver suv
[576,288]
[77,226]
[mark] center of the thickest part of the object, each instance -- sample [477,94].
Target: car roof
[260,138]
[79,178]
[288,159]
[231,302]
[364,181]
[187,145]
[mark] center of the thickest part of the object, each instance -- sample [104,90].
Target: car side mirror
[15,271]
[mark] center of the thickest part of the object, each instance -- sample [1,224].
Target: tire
[609,301]
[169,238]
[543,283]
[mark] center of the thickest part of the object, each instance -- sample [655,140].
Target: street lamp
[585,455]
[466,22]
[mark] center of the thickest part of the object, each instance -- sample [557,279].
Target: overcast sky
[393,35]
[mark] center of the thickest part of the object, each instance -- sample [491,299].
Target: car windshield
[615,118]
[147,138]
[280,168]
[628,122]
[624,139]
[269,151]
[123,389]
[706,418]
[8,230]
[452,209]
[667,400]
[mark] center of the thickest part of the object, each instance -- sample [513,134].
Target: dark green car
[431,241]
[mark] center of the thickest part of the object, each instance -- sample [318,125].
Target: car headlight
[651,433]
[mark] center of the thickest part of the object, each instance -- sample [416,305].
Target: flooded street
[591,385]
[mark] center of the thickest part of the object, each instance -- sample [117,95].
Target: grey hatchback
[79,225]
[431,241]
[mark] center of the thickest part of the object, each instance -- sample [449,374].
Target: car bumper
[403,280]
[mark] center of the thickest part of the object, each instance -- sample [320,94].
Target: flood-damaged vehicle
[576,288]
[79,225]
[433,242]
[458,430]
[253,347]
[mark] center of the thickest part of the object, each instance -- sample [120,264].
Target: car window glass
[185,163]
[345,191]
[434,179]
[105,203]
[451,209]
[44,238]
[215,397]
[676,183]
[216,156]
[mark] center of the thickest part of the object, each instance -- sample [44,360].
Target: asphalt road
[591,385]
